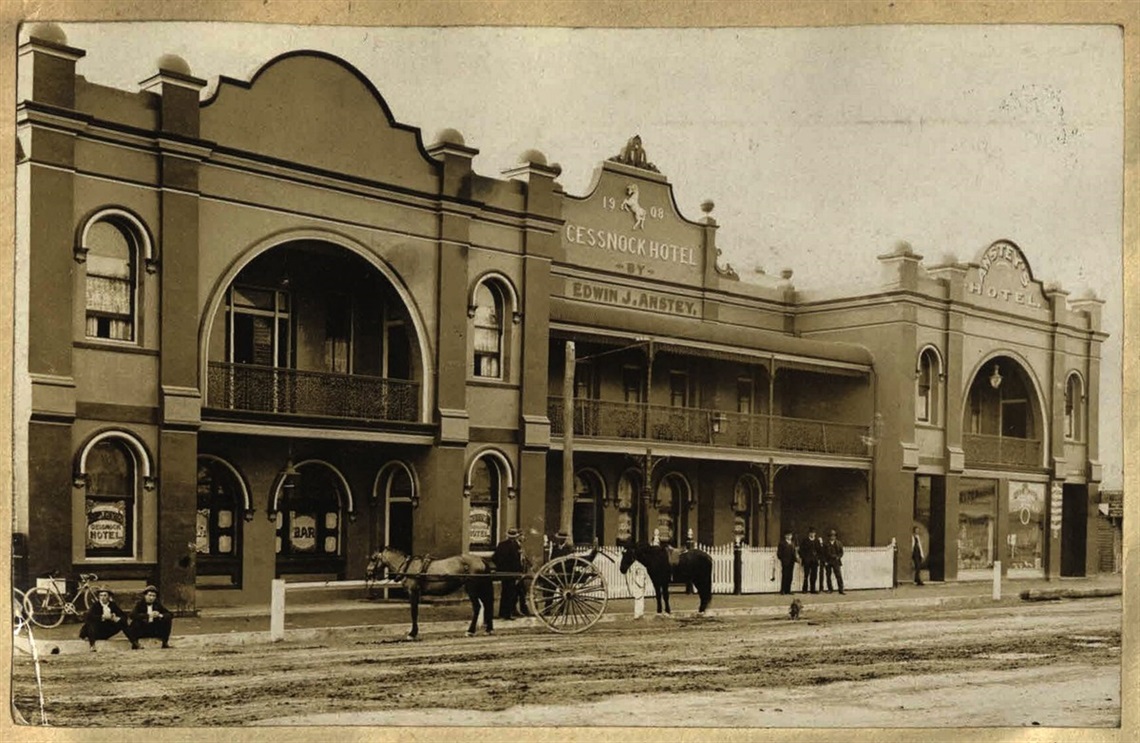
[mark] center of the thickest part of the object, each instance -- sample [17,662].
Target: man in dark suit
[833,560]
[810,550]
[508,559]
[917,556]
[786,554]
[150,618]
[104,619]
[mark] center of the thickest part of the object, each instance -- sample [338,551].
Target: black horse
[672,566]
[424,576]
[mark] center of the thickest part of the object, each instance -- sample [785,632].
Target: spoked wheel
[43,608]
[568,594]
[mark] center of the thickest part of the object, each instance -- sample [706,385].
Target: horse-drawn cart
[567,594]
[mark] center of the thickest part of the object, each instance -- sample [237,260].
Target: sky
[821,147]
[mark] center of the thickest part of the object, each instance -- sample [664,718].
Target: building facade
[269,331]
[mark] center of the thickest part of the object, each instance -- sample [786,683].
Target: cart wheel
[568,594]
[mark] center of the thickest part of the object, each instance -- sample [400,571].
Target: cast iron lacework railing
[265,389]
[622,420]
[1001,450]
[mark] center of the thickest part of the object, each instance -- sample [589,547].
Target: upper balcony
[601,419]
[1001,451]
[264,389]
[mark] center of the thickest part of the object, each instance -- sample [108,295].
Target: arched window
[631,521]
[221,507]
[926,389]
[589,492]
[488,331]
[1074,407]
[110,505]
[398,490]
[745,499]
[111,257]
[310,520]
[486,496]
[674,498]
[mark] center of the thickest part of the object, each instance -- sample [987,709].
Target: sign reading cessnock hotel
[628,226]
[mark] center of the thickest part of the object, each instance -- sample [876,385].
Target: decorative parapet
[633,154]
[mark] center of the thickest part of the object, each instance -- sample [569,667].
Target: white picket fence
[863,567]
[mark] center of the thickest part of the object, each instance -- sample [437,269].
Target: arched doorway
[631,522]
[674,498]
[223,508]
[311,508]
[395,489]
[746,509]
[589,496]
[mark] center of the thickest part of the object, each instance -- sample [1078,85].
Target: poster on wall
[624,527]
[302,532]
[106,524]
[479,529]
[202,531]
[1056,509]
[665,527]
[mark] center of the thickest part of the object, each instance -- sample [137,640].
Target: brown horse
[425,576]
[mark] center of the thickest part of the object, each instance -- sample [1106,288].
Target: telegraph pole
[567,515]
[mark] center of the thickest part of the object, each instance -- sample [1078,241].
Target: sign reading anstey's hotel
[1002,277]
[628,226]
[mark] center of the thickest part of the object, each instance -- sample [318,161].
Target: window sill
[118,346]
[494,383]
[927,425]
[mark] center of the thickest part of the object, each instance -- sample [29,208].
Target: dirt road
[1049,664]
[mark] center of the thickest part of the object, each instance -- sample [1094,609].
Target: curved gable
[317,110]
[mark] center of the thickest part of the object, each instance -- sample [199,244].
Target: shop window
[111,260]
[221,509]
[310,517]
[486,496]
[488,331]
[109,506]
[1074,402]
[631,522]
[926,392]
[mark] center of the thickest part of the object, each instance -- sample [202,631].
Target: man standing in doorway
[810,551]
[917,556]
[833,560]
[786,554]
[508,559]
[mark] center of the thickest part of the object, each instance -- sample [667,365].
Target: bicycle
[46,607]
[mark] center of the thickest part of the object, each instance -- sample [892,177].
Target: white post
[997,580]
[277,611]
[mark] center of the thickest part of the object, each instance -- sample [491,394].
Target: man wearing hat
[104,619]
[150,619]
[786,554]
[833,560]
[810,549]
[562,546]
[508,559]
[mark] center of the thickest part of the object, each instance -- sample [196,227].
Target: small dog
[795,609]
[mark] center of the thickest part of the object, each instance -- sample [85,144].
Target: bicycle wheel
[84,601]
[19,613]
[44,608]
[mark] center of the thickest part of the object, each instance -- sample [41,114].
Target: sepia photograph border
[607,14]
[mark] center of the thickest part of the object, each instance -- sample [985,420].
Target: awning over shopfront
[728,343]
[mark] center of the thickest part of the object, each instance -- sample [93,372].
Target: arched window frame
[143,485]
[501,467]
[928,376]
[1074,403]
[346,506]
[139,246]
[484,364]
[224,563]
